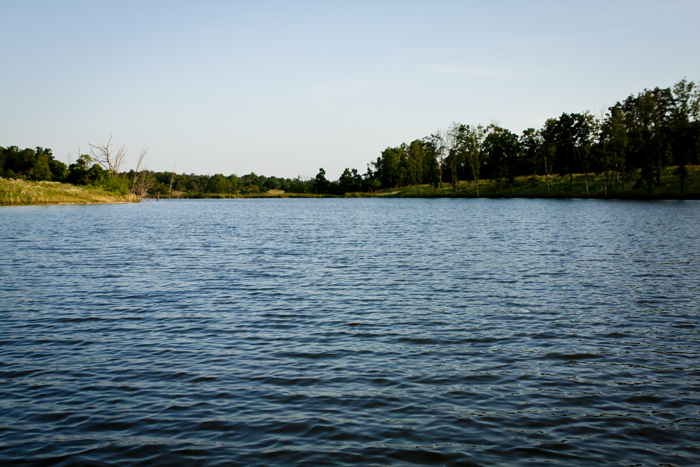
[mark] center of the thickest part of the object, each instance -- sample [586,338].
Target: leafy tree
[321,184]
[431,168]
[85,171]
[416,155]
[685,134]
[532,146]
[387,168]
[549,147]
[616,141]
[584,128]
[468,143]
[646,119]
[501,154]
[32,164]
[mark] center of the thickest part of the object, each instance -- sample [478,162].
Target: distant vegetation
[643,147]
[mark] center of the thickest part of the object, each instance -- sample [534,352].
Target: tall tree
[321,184]
[468,143]
[501,154]
[416,155]
[532,150]
[684,127]
[584,130]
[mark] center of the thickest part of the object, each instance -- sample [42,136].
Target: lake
[351,332]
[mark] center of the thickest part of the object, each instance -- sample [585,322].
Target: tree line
[630,143]
[100,168]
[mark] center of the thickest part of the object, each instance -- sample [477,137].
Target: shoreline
[581,186]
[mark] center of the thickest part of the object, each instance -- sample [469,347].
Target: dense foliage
[31,164]
[632,143]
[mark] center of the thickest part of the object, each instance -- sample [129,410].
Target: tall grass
[23,192]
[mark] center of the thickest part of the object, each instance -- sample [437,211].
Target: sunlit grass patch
[22,192]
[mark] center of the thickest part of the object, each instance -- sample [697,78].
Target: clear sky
[283,88]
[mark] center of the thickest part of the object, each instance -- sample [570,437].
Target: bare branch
[103,155]
[172,177]
[119,159]
[142,182]
[143,153]
[145,182]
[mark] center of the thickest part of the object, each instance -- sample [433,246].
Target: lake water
[351,332]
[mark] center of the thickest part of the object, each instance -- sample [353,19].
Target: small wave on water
[351,332]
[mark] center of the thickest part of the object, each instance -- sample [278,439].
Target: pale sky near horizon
[283,88]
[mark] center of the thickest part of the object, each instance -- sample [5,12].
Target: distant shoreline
[27,193]
[526,187]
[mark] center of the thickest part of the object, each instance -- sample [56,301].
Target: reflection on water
[366,332]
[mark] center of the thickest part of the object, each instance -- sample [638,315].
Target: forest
[629,146]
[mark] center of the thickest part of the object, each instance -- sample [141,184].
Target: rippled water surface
[351,332]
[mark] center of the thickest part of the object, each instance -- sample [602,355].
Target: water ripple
[351,332]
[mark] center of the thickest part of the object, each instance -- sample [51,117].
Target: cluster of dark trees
[201,185]
[31,164]
[631,143]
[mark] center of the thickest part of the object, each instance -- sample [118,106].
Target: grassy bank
[523,187]
[22,192]
[563,187]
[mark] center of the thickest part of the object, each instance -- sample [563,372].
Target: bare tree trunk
[172,176]
[476,177]
[144,151]
[455,181]
[144,184]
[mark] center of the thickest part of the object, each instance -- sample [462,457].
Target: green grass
[536,187]
[23,192]
[523,187]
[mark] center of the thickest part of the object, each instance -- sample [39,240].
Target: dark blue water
[351,332]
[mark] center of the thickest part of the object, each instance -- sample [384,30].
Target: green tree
[684,127]
[468,143]
[416,154]
[85,171]
[501,154]
[584,129]
[532,147]
[321,184]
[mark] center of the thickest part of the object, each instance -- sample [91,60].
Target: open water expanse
[351,332]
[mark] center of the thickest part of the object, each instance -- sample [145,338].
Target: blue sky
[283,88]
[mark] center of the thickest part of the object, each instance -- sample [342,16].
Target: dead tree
[107,158]
[141,182]
[172,177]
